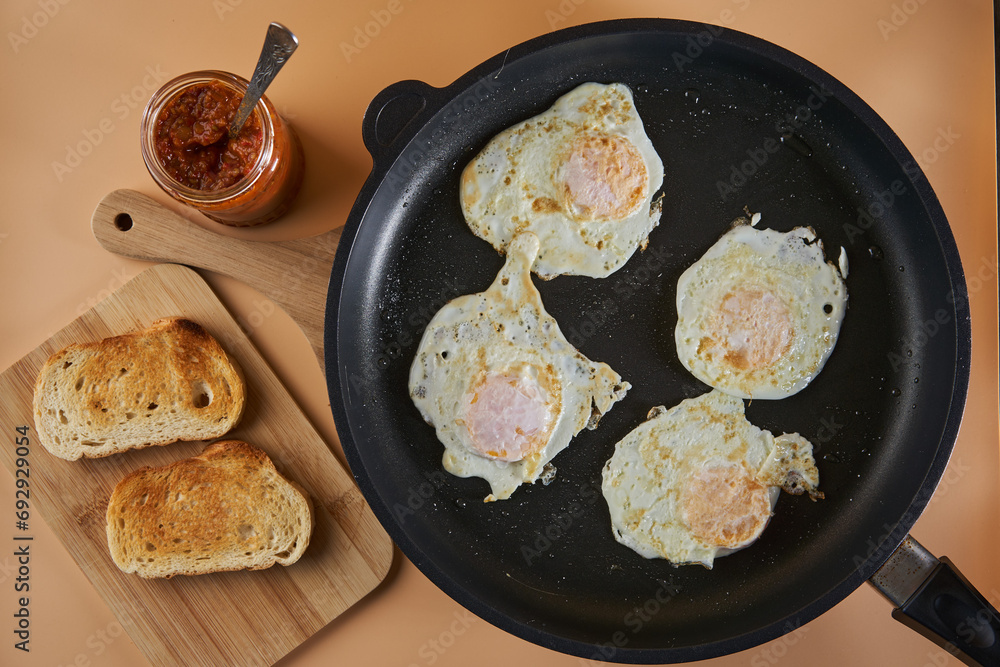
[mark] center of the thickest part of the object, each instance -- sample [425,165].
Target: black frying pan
[738,122]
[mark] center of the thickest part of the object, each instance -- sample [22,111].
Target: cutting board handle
[294,274]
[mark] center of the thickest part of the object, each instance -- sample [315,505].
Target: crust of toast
[225,509]
[169,382]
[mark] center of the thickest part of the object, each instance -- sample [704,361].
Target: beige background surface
[76,73]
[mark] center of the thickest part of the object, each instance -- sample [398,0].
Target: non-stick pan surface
[738,123]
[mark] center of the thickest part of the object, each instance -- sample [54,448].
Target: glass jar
[271,180]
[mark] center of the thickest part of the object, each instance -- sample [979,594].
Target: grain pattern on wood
[294,274]
[217,619]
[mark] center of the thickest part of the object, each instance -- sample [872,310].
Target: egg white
[789,270]
[645,480]
[506,330]
[518,182]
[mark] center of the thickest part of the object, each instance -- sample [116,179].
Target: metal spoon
[279,44]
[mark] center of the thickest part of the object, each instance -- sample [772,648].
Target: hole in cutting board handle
[123,222]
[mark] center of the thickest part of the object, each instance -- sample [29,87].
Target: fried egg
[758,315]
[502,387]
[581,176]
[698,481]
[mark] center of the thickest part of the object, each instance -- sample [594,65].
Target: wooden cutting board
[232,618]
[294,274]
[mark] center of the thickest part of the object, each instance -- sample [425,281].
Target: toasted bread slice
[170,382]
[226,509]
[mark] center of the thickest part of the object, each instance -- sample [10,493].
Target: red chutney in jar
[192,138]
[244,182]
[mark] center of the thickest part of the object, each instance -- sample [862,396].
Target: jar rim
[168,92]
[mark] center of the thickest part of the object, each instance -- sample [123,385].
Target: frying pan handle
[936,600]
[949,611]
[395,114]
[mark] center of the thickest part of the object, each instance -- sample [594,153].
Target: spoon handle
[279,44]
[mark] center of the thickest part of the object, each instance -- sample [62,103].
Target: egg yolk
[725,506]
[604,178]
[507,416]
[752,326]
